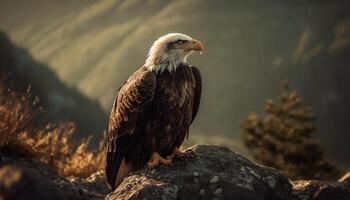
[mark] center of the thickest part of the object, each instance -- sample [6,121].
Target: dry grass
[23,134]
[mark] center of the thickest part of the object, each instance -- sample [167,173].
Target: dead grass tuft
[23,134]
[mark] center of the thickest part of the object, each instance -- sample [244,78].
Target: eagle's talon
[156,160]
[183,155]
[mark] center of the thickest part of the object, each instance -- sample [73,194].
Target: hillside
[251,46]
[61,103]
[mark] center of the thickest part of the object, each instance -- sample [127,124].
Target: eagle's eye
[175,44]
[180,42]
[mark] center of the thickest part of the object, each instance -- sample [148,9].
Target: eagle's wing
[131,103]
[197,91]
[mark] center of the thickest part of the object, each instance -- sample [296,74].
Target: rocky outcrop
[30,179]
[215,173]
[18,183]
[321,190]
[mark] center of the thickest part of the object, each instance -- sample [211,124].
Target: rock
[38,175]
[20,183]
[93,187]
[321,190]
[345,179]
[215,173]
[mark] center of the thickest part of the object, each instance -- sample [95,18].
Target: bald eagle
[154,109]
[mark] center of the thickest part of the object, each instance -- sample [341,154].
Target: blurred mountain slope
[61,102]
[251,46]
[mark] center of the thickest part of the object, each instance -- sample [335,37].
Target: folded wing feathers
[133,98]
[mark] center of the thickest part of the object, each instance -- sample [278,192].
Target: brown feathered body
[152,113]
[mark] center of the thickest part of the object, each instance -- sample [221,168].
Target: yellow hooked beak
[195,45]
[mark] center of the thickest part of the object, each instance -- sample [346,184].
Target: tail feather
[122,173]
[113,163]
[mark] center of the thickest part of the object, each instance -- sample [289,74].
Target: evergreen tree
[282,138]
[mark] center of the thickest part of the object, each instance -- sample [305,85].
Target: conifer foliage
[282,138]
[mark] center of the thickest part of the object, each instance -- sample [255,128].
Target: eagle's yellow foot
[156,160]
[181,154]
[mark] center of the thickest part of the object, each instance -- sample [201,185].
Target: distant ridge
[62,103]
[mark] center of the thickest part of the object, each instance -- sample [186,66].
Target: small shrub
[282,138]
[23,134]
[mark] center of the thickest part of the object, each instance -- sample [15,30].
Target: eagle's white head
[170,50]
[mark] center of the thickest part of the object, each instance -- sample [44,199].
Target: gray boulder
[18,183]
[215,173]
[321,190]
[30,179]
